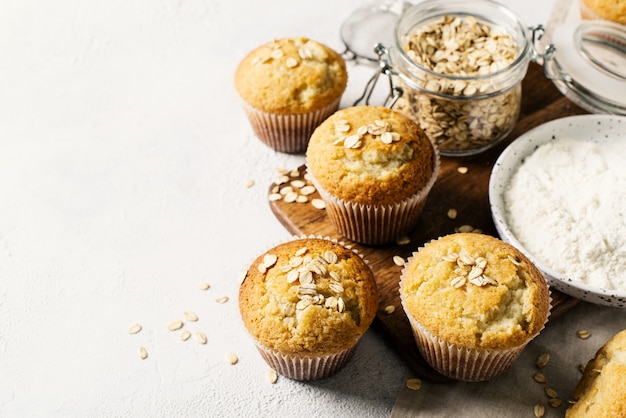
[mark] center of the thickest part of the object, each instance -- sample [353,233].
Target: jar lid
[370,25]
[591,61]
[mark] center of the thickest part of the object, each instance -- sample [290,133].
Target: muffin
[307,302]
[374,168]
[601,391]
[612,10]
[474,302]
[288,87]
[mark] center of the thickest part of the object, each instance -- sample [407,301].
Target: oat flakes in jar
[460,65]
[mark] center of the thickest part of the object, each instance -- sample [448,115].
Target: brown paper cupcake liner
[460,363]
[375,224]
[305,368]
[287,133]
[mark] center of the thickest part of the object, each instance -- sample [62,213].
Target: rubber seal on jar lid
[368,26]
[592,55]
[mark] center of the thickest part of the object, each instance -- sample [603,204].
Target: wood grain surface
[467,193]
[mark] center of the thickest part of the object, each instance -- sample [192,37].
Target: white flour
[565,204]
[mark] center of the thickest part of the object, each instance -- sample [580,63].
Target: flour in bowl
[566,205]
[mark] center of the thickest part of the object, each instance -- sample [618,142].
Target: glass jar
[460,65]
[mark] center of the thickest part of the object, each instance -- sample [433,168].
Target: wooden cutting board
[467,193]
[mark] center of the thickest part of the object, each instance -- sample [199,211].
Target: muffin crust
[284,312]
[374,171]
[291,75]
[503,307]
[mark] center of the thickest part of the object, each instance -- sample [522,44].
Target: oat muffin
[473,302]
[306,303]
[612,10]
[374,167]
[601,391]
[288,87]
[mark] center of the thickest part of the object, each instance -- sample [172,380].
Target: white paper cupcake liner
[460,363]
[376,224]
[287,133]
[306,368]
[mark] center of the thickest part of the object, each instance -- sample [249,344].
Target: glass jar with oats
[460,65]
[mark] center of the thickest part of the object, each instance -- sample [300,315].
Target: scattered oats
[175,325]
[404,240]
[452,213]
[275,197]
[201,337]
[269,260]
[190,316]
[583,334]
[341,305]
[539,410]
[465,228]
[231,358]
[286,190]
[543,360]
[331,257]
[281,180]
[458,282]
[291,62]
[342,126]
[143,353]
[386,138]
[414,384]
[389,309]
[301,251]
[514,260]
[294,173]
[222,299]
[551,392]
[352,141]
[555,402]
[185,335]
[462,170]
[361,130]
[134,329]
[206,286]
[277,54]
[249,183]
[302,199]
[291,197]
[292,276]
[539,377]
[336,287]
[318,204]
[398,261]
[305,53]
[298,184]
[272,376]
[307,190]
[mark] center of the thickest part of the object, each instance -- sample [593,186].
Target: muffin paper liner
[305,368]
[460,363]
[287,133]
[376,224]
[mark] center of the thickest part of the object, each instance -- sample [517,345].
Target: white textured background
[124,158]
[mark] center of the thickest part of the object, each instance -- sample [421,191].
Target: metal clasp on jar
[384,68]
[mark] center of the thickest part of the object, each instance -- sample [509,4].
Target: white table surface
[124,163]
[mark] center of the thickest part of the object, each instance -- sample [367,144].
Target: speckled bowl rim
[583,127]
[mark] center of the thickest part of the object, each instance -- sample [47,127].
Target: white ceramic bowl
[585,127]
